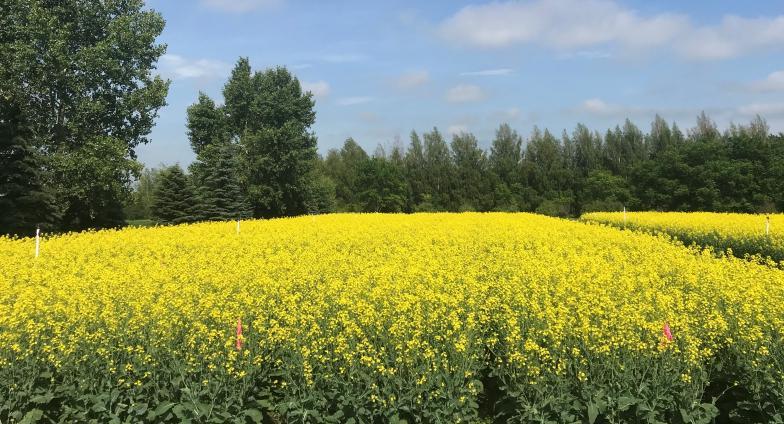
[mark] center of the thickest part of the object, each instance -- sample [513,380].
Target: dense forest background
[739,170]
[79,93]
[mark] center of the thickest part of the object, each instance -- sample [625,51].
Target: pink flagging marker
[239,334]
[666,331]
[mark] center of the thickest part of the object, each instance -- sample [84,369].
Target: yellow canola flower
[742,234]
[422,302]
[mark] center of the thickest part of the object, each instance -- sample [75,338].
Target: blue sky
[379,70]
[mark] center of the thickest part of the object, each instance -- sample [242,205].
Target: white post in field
[767,225]
[37,241]
[624,216]
[238,226]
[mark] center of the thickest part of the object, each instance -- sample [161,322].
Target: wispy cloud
[344,58]
[579,24]
[773,110]
[596,106]
[511,114]
[301,66]
[457,129]
[489,72]
[178,67]
[773,82]
[356,100]
[412,79]
[319,89]
[463,93]
[239,6]
[587,54]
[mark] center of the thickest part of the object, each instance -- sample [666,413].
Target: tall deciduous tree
[471,187]
[505,164]
[415,172]
[279,146]
[81,73]
[207,124]
[139,205]
[438,170]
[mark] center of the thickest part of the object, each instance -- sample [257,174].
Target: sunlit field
[743,234]
[383,318]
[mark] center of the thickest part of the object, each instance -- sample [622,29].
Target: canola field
[743,234]
[432,318]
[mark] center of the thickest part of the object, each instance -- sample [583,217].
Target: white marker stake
[624,216]
[238,226]
[767,225]
[37,241]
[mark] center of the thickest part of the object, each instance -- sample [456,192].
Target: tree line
[738,170]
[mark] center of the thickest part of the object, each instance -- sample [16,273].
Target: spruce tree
[219,195]
[174,200]
[24,202]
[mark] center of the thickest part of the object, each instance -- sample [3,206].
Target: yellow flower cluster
[406,312]
[743,234]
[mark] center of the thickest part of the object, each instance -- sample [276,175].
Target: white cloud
[489,72]
[301,66]
[600,108]
[774,82]
[238,6]
[318,88]
[579,24]
[733,37]
[595,106]
[762,109]
[463,93]
[350,101]
[179,67]
[413,79]
[457,129]
[512,114]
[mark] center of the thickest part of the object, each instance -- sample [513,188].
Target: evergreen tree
[219,195]
[24,202]
[174,201]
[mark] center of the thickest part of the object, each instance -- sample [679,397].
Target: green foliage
[383,187]
[24,202]
[216,176]
[139,205]
[81,74]
[739,171]
[174,201]
[92,182]
[206,124]
[268,117]
[344,167]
